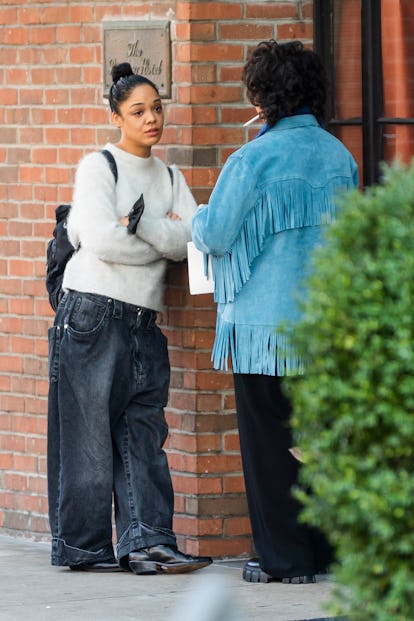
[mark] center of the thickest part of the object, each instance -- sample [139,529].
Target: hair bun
[123,70]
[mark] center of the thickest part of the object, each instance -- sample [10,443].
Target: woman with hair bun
[265,216]
[108,361]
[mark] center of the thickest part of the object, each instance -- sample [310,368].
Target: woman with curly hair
[265,216]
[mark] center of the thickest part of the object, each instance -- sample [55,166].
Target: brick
[15,36]
[24,463]
[231,115]
[91,33]
[205,177]
[204,156]
[221,548]
[18,155]
[39,524]
[19,306]
[4,380]
[217,135]
[217,52]
[9,97]
[208,10]
[16,482]
[205,31]
[236,526]
[30,174]
[208,402]
[185,484]
[43,116]
[196,95]
[68,34]
[10,248]
[7,500]
[229,402]
[18,116]
[10,287]
[307,10]
[8,15]
[32,56]
[205,422]
[56,97]
[182,400]
[55,175]
[33,287]
[27,503]
[68,75]
[22,344]
[294,30]
[56,135]
[29,424]
[209,464]
[257,32]
[232,442]
[208,443]
[200,527]
[30,135]
[35,407]
[209,380]
[37,485]
[81,13]
[6,461]
[233,484]
[181,73]
[272,10]
[230,73]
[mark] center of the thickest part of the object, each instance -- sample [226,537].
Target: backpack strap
[112,163]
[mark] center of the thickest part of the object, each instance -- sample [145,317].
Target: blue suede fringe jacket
[264,218]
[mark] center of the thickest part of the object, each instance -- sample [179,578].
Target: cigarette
[250,121]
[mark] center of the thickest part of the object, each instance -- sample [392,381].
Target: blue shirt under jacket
[265,216]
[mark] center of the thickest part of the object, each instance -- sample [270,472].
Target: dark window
[368,49]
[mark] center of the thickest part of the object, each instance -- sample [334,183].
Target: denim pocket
[87,316]
[54,347]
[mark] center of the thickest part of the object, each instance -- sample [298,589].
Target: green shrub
[354,408]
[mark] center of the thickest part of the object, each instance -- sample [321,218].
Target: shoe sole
[142,568]
[94,570]
[257,575]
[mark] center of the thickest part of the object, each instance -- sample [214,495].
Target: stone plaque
[144,45]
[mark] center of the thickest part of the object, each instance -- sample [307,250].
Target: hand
[124,221]
[173,216]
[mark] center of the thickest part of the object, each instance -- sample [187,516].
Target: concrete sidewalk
[32,590]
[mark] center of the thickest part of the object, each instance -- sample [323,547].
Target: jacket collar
[297,120]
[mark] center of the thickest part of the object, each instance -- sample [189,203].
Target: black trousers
[286,547]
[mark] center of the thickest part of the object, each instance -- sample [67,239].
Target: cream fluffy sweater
[110,261]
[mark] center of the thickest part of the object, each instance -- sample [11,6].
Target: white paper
[196,277]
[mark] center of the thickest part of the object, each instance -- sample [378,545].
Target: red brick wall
[52,112]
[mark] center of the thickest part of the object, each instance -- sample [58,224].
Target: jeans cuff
[66,555]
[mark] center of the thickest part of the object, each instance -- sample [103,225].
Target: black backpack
[59,249]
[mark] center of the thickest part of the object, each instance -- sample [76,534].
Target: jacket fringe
[287,205]
[255,349]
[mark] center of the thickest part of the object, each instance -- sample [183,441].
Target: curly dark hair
[124,81]
[284,77]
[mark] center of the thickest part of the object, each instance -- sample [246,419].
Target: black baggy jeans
[287,548]
[108,385]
